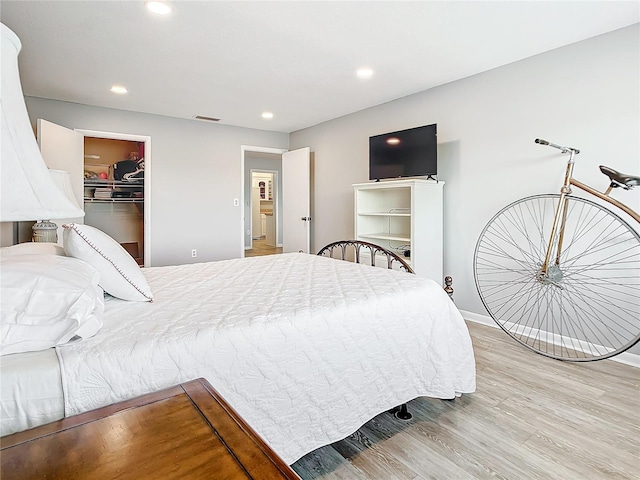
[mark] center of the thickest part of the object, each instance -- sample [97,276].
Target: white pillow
[46,301]
[32,248]
[120,275]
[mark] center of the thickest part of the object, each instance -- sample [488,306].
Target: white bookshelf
[403,216]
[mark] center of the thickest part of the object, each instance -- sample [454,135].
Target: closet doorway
[117,189]
[64,149]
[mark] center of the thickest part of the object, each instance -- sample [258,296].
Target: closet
[114,191]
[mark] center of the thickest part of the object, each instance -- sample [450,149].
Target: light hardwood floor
[260,248]
[530,418]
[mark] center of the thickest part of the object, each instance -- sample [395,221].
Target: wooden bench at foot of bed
[187,432]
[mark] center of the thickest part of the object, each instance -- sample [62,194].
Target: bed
[306,348]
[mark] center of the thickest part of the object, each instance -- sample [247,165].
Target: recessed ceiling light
[119,89]
[160,8]
[267,115]
[364,73]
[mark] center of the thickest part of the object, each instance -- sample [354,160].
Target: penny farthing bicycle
[561,274]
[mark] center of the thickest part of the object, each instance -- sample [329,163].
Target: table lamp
[28,191]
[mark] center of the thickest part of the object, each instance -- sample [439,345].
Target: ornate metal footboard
[352,250]
[344,247]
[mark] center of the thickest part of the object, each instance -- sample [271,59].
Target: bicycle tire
[589,306]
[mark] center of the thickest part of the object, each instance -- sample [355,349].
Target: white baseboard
[477,318]
[625,357]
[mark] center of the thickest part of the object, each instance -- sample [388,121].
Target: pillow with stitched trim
[120,275]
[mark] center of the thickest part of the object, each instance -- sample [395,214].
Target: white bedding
[305,348]
[31,390]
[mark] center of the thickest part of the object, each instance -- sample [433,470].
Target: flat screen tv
[406,153]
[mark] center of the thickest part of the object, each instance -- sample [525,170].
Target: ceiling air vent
[208,119]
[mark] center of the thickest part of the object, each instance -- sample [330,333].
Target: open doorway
[262,184]
[264,221]
[114,191]
[117,189]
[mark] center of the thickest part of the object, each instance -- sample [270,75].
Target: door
[296,200]
[63,149]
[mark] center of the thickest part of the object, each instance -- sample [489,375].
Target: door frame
[243,150]
[147,179]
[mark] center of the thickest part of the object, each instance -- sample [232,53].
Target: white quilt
[305,348]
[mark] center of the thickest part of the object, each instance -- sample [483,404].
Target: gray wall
[195,175]
[584,95]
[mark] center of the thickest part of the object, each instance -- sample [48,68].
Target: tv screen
[406,153]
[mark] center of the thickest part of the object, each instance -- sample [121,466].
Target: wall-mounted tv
[406,153]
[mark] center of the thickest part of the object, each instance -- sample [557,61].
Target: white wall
[585,95]
[195,175]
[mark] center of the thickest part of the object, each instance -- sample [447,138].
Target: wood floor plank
[376,463]
[531,418]
[327,464]
[565,419]
[588,463]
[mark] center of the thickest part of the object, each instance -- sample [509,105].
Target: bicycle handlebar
[559,147]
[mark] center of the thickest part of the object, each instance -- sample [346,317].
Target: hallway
[260,248]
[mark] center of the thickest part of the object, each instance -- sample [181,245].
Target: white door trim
[147,179]
[243,149]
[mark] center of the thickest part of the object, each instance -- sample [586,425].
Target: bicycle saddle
[620,179]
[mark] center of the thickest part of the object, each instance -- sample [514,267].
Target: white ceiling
[234,60]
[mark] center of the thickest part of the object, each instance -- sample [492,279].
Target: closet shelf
[113,200]
[111,183]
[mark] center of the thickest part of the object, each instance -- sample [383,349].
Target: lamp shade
[62,179]
[27,191]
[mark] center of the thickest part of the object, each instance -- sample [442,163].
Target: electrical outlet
[236,202]
[194,253]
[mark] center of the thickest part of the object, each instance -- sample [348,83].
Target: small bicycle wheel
[587,306]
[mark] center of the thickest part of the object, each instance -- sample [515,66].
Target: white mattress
[305,348]
[31,390]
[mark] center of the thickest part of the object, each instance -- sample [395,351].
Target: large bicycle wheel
[587,307]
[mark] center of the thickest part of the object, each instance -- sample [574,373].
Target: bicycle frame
[561,210]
